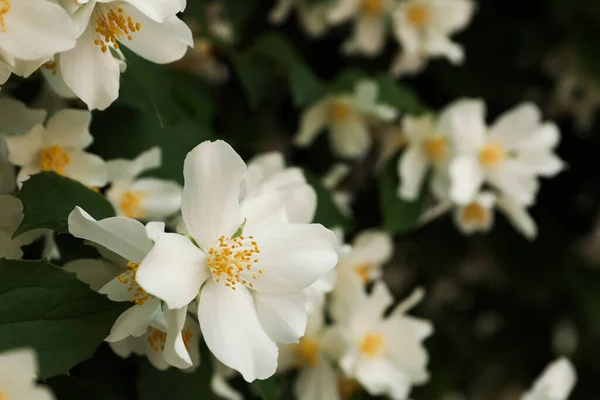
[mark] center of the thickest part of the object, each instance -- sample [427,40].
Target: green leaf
[327,213]
[48,199]
[399,216]
[266,389]
[399,96]
[305,86]
[256,76]
[44,307]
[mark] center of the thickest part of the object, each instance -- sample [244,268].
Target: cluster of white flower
[421,27]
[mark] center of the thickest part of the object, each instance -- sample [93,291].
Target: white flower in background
[131,241]
[16,118]
[346,118]
[424,27]
[31,31]
[250,263]
[8,179]
[314,356]
[371,24]
[10,219]
[313,17]
[385,354]
[555,383]
[359,264]
[219,382]
[149,28]
[510,155]
[18,371]
[141,198]
[59,147]
[426,146]
[331,180]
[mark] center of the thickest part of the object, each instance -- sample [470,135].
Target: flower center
[492,155]
[4,9]
[131,204]
[372,345]
[307,352]
[113,25]
[339,112]
[417,15]
[348,387]
[435,147]
[234,259]
[474,213]
[364,271]
[372,7]
[55,159]
[139,296]
[156,339]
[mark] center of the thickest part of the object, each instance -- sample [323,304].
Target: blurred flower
[18,378]
[555,383]
[331,180]
[17,119]
[150,29]
[219,383]
[58,147]
[370,24]
[345,116]
[313,17]
[10,219]
[424,27]
[142,198]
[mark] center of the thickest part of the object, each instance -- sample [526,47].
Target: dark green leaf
[399,96]
[256,76]
[305,86]
[267,389]
[399,216]
[327,213]
[44,307]
[71,388]
[48,199]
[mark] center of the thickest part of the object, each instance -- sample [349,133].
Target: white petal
[463,121]
[213,173]
[19,367]
[161,198]
[370,35]
[350,139]
[317,383]
[518,216]
[515,125]
[546,136]
[175,352]
[124,236]
[135,319]
[555,383]
[87,168]
[174,270]
[342,11]
[541,162]
[515,180]
[312,122]
[69,128]
[129,169]
[281,11]
[370,312]
[95,273]
[380,377]
[282,316]
[158,10]
[233,333]
[16,118]
[25,149]
[371,246]
[466,176]
[412,168]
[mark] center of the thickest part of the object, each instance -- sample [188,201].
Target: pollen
[233,260]
[51,66]
[417,15]
[364,271]
[307,352]
[372,345]
[156,339]
[187,334]
[492,155]
[138,295]
[3,396]
[474,213]
[5,7]
[112,26]
[436,147]
[131,204]
[339,112]
[54,158]
[372,8]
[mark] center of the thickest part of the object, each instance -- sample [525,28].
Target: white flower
[345,116]
[370,24]
[16,118]
[143,198]
[314,356]
[515,150]
[249,262]
[313,17]
[426,146]
[555,383]
[18,370]
[131,241]
[10,219]
[423,27]
[385,355]
[58,147]
[149,28]
[341,198]
[31,31]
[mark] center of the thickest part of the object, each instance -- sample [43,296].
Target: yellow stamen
[187,336]
[417,14]
[339,112]
[5,7]
[492,155]
[233,260]
[307,352]
[140,296]
[372,345]
[364,271]
[474,213]
[131,204]
[112,26]
[156,339]
[55,159]
[436,147]
[372,8]
[52,66]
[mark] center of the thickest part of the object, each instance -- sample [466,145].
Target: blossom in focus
[18,370]
[385,354]
[346,118]
[149,28]
[58,147]
[141,198]
[555,383]
[424,27]
[131,241]
[31,31]
[510,155]
[313,17]
[371,24]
